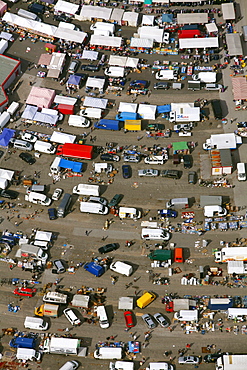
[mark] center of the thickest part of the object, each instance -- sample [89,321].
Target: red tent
[188,34]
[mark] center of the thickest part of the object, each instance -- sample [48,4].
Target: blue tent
[164,108]
[74,80]
[74,166]
[167,18]
[5,136]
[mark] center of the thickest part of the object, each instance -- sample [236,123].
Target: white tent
[211,27]
[148,19]
[189,18]
[154,33]
[95,82]
[43,235]
[237,267]
[91,113]
[62,138]
[69,26]
[51,112]
[141,43]
[147,111]
[199,43]
[6,174]
[95,102]
[131,18]
[59,99]
[66,7]
[50,119]
[90,55]
[117,15]
[127,107]
[228,11]
[29,112]
[97,12]
[234,45]
[116,60]
[70,35]
[57,61]
[106,41]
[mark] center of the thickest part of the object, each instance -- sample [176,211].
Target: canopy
[188,18]
[95,82]
[41,97]
[70,35]
[74,80]
[88,12]
[43,235]
[5,35]
[57,61]
[3,7]
[234,44]
[116,60]
[199,43]
[237,267]
[211,27]
[67,100]
[117,15]
[163,108]
[106,41]
[127,107]
[66,7]
[50,119]
[136,42]
[154,33]
[147,111]
[45,59]
[239,85]
[5,136]
[92,113]
[53,73]
[183,34]
[167,18]
[62,138]
[6,174]
[95,102]
[90,55]
[228,11]
[180,145]
[29,112]
[131,18]
[72,165]
[148,19]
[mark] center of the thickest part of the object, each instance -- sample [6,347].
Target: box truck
[220,304]
[232,362]
[231,254]
[44,147]
[47,309]
[63,346]
[28,354]
[75,151]
[108,353]
[236,313]
[210,200]
[22,342]
[85,189]
[33,251]
[122,365]
[107,124]
[160,255]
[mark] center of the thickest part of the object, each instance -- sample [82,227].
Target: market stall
[147,111]
[62,138]
[127,107]
[70,35]
[141,43]
[211,27]
[95,102]
[130,19]
[89,55]
[120,61]
[234,45]
[228,11]
[95,83]
[199,43]
[148,20]
[107,41]
[44,60]
[89,12]
[239,85]
[65,7]
[66,100]
[73,82]
[155,33]
[116,16]
[56,65]
[3,7]
[192,18]
[41,97]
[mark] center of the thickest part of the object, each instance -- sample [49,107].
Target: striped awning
[239,87]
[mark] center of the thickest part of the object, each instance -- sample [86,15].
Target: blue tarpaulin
[5,136]
[167,18]
[164,108]
[74,80]
[73,166]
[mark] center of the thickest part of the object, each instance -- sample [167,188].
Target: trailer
[133,125]
[126,303]
[107,124]
[75,151]
[62,346]
[231,254]
[220,304]
[232,362]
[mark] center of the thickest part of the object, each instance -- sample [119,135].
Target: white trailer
[62,346]
[232,362]
[231,254]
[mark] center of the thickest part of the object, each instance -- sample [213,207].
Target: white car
[192,360]
[57,194]
[28,137]
[149,172]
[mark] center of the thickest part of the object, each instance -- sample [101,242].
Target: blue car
[140,84]
[126,171]
[52,213]
[167,213]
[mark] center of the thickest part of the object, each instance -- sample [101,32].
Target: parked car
[192,177]
[109,157]
[115,200]
[57,194]
[74,65]
[59,266]
[28,137]
[90,67]
[161,85]
[62,18]
[1,153]
[162,320]
[192,360]
[171,174]
[27,157]
[10,194]
[183,127]
[212,357]
[149,321]
[52,213]
[25,292]
[126,171]
[108,248]
[139,84]
[135,158]
[149,172]
[187,161]
[155,127]
[129,319]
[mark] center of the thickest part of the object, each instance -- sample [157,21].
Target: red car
[25,292]
[129,319]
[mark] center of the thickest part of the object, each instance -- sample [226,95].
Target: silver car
[149,172]
[161,320]
[190,360]
[135,158]
[149,321]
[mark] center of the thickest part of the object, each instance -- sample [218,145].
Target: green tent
[180,145]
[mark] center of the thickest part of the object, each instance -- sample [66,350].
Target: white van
[129,212]
[55,297]
[211,211]
[36,189]
[38,198]
[186,315]
[85,189]
[29,15]
[70,365]
[108,353]
[160,366]
[122,268]
[78,121]
[44,147]
[103,319]
[155,234]
[90,207]
[23,145]
[122,365]
[178,203]
[115,71]
[35,323]
[71,316]
[241,171]
[54,167]
[103,167]
[28,354]
[103,26]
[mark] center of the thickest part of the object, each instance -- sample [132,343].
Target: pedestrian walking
[87,232]
[166,353]
[134,337]
[188,345]
[11,267]
[231,120]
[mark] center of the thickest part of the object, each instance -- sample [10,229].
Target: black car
[90,67]
[217,110]
[115,200]
[187,161]
[126,171]
[109,157]
[11,194]
[108,248]
[1,153]
[62,18]
[28,158]
[52,213]
[212,357]
[139,84]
